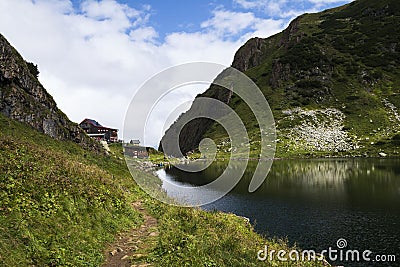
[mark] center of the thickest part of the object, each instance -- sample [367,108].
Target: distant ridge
[332,80]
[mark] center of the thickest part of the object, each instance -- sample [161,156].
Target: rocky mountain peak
[23,98]
[341,65]
[250,54]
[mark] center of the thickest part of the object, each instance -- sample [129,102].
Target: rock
[125,257]
[23,98]
[382,154]
[119,249]
[249,55]
[246,220]
[300,82]
[193,131]
[112,253]
[105,145]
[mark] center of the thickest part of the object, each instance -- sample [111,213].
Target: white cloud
[145,34]
[270,7]
[320,4]
[328,1]
[248,4]
[286,8]
[240,25]
[229,23]
[118,16]
[265,28]
[94,57]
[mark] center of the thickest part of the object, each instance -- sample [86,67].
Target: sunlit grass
[62,206]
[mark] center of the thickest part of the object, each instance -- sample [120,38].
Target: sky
[94,55]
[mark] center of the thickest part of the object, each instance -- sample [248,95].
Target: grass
[192,237]
[59,204]
[340,58]
[62,206]
[156,156]
[344,58]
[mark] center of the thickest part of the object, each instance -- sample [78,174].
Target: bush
[304,84]
[396,137]
[33,69]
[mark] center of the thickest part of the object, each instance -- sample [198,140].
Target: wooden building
[135,151]
[99,132]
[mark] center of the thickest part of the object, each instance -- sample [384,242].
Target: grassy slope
[60,206]
[352,51]
[58,203]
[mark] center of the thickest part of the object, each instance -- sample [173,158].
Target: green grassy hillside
[61,206]
[332,80]
[58,203]
[344,69]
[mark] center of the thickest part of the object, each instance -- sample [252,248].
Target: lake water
[313,203]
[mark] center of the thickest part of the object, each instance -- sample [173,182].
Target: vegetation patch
[61,205]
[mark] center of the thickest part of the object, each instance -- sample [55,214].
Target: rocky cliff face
[24,99]
[344,60]
[193,132]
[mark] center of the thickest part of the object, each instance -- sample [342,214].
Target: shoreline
[243,220]
[187,161]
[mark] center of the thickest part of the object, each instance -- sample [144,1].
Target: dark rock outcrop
[192,132]
[343,59]
[24,99]
[250,54]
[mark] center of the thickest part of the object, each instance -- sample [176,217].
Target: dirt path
[130,248]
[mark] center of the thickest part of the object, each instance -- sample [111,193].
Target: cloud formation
[229,24]
[93,56]
[287,8]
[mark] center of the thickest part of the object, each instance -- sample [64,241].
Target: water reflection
[316,202]
[347,179]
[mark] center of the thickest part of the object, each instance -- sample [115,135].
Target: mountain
[64,205]
[24,99]
[332,82]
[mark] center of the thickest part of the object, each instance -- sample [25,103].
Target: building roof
[97,125]
[93,122]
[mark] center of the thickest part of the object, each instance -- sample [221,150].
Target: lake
[313,203]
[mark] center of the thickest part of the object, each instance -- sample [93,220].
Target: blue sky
[104,50]
[167,17]
[172,16]
[175,16]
